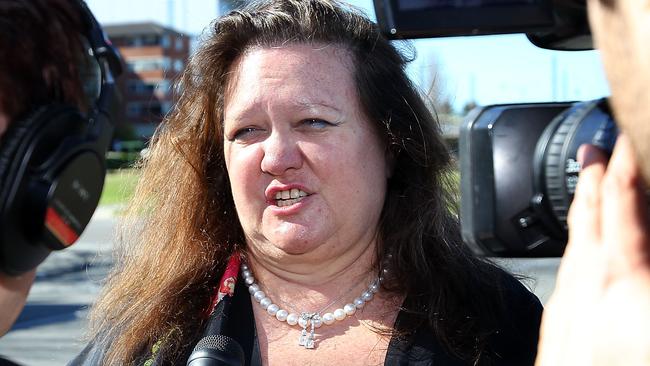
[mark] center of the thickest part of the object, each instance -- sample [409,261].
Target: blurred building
[154,57]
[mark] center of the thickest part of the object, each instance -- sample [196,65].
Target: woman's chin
[295,237]
[294,246]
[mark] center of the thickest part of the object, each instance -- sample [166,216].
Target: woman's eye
[244,133]
[316,123]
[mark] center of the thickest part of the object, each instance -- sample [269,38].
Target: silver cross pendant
[307,338]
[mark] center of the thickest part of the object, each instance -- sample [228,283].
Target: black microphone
[216,349]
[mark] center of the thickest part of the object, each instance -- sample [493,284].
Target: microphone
[216,349]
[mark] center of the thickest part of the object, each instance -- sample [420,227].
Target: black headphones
[52,165]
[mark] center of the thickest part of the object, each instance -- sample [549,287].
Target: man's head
[40,53]
[55,88]
[33,71]
[622,34]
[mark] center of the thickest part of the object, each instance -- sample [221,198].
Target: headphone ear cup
[12,139]
[12,243]
[40,156]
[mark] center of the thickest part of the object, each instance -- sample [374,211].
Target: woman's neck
[309,284]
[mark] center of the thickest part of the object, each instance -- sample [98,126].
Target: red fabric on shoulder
[227,282]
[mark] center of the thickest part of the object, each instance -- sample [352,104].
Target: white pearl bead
[265,302]
[292,319]
[366,296]
[281,315]
[244,267]
[328,318]
[253,288]
[259,295]
[339,314]
[302,322]
[249,280]
[246,273]
[374,286]
[272,309]
[349,309]
[358,302]
[317,322]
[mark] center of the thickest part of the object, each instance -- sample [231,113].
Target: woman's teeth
[289,197]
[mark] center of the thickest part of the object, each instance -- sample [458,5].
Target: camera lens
[556,167]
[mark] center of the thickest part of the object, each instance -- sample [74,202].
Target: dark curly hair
[40,50]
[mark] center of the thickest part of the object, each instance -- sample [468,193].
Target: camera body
[518,162]
[552,24]
[519,171]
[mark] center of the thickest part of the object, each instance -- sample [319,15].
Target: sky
[481,69]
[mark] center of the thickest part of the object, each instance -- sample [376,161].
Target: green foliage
[452,179]
[121,159]
[124,131]
[119,186]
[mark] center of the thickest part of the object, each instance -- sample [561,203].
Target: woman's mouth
[289,197]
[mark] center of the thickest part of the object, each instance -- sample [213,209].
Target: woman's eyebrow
[300,106]
[307,105]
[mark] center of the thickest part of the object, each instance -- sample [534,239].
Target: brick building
[154,56]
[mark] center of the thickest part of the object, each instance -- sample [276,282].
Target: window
[133,109]
[155,109]
[166,63]
[132,86]
[162,88]
[141,87]
[166,41]
[148,64]
[148,87]
[178,65]
[166,107]
[150,40]
[179,43]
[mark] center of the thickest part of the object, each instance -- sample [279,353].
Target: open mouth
[289,197]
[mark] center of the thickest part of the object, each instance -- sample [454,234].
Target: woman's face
[307,169]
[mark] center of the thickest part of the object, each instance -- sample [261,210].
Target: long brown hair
[182,226]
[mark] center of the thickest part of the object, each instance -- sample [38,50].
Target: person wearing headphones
[599,313]
[56,80]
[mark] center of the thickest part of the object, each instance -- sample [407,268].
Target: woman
[299,147]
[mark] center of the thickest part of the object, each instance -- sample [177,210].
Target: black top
[514,344]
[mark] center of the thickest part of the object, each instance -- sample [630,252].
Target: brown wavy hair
[182,226]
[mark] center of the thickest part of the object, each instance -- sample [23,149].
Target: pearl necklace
[312,319]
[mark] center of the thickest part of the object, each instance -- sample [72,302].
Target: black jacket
[515,344]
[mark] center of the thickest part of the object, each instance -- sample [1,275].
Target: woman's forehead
[308,56]
[307,74]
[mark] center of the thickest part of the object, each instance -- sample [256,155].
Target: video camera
[517,161]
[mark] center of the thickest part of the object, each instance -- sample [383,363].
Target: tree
[469,106]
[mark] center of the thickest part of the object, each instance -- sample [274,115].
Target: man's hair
[187,226]
[40,50]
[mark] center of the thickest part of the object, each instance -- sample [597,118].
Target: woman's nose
[281,153]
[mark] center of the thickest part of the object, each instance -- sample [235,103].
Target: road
[50,330]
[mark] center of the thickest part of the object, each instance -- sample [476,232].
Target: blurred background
[156,38]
